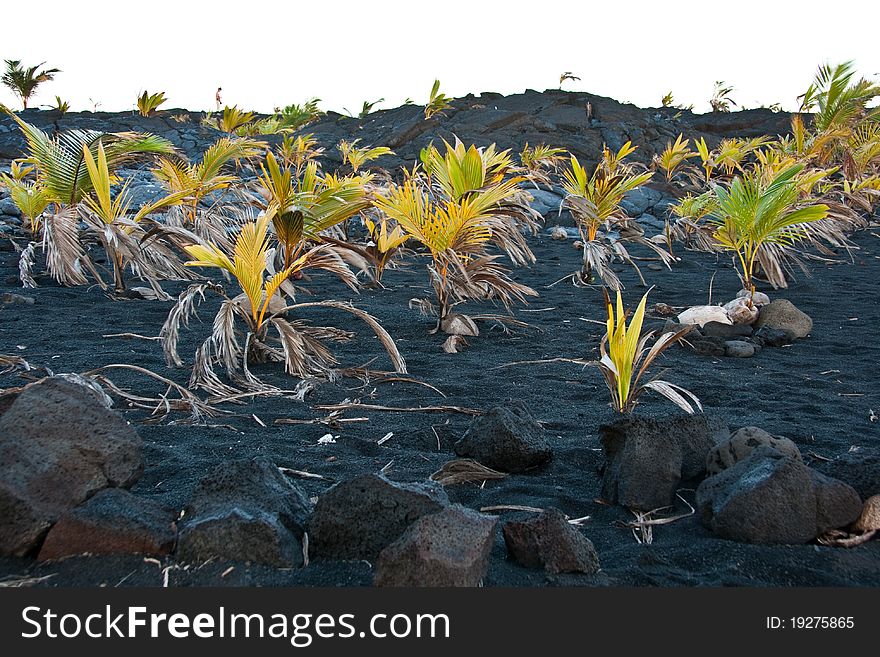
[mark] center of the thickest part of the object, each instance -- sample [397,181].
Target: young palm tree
[594,201]
[269,334]
[197,180]
[63,180]
[23,82]
[303,208]
[112,223]
[457,234]
[758,219]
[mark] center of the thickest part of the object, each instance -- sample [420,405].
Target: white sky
[271,53]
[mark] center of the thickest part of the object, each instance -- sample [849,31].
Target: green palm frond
[59,161]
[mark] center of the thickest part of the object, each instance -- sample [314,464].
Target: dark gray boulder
[358,518]
[781,314]
[742,443]
[113,521]
[447,548]
[59,445]
[646,459]
[772,498]
[550,542]
[245,510]
[507,438]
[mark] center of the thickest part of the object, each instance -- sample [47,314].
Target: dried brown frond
[481,278]
[26,264]
[162,405]
[11,363]
[345,406]
[65,256]
[383,335]
[459,471]
[181,313]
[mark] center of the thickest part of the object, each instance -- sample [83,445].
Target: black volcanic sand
[817,392]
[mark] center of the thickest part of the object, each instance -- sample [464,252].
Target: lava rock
[726,331]
[448,548]
[112,522]
[742,443]
[358,518]
[869,518]
[771,337]
[739,349]
[11,298]
[640,200]
[550,542]
[646,459]
[708,346]
[59,445]
[245,510]
[8,206]
[860,469]
[771,498]
[544,201]
[507,438]
[837,503]
[782,314]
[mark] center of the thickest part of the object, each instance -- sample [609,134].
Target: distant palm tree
[24,81]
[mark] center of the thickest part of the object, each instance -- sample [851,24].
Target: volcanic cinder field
[822,392]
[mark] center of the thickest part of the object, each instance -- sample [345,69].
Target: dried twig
[837,538]
[21,582]
[511,507]
[398,409]
[302,474]
[138,336]
[543,361]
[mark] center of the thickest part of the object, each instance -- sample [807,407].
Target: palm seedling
[23,81]
[594,201]
[689,226]
[437,102]
[232,119]
[266,334]
[673,156]
[456,234]
[538,162]
[197,180]
[298,151]
[384,244]
[706,158]
[721,100]
[110,220]
[62,178]
[625,358]
[148,103]
[839,101]
[668,100]
[356,156]
[30,199]
[459,206]
[462,173]
[60,106]
[731,153]
[760,219]
[295,116]
[302,208]
[568,75]
[367,108]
